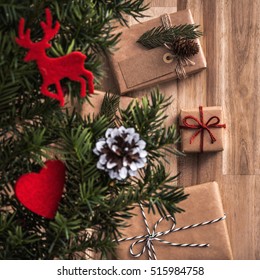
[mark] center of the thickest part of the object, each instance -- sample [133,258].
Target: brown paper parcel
[135,67]
[186,134]
[203,204]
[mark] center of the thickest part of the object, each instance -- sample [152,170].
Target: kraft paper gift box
[203,204]
[135,67]
[202,129]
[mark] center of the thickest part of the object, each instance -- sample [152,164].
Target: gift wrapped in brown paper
[136,67]
[202,129]
[200,232]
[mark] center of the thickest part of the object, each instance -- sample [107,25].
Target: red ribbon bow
[201,126]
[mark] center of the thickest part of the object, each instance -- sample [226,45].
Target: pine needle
[158,36]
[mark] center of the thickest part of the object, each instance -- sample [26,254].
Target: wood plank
[196,7]
[189,97]
[257,217]
[240,24]
[162,3]
[238,201]
[199,90]
[191,93]
[216,22]
[229,84]
[256,115]
[210,165]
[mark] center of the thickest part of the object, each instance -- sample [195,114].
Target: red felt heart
[41,192]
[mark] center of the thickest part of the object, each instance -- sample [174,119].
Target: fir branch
[31,124]
[158,36]
[11,11]
[120,8]
[109,106]
[168,193]
[148,117]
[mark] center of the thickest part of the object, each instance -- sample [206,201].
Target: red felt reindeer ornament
[53,70]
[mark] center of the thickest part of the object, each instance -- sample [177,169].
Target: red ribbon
[201,126]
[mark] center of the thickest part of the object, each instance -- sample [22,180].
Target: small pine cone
[182,47]
[121,153]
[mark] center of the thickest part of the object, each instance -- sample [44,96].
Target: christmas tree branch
[148,117]
[158,36]
[34,128]
[133,8]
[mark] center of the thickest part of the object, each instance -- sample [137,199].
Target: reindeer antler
[49,32]
[24,39]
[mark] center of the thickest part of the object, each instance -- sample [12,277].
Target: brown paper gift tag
[203,204]
[186,134]
[135,67]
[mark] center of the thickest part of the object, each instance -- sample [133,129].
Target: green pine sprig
[121,8]
[109,106]
[158,36]
[92,199]
[148,117]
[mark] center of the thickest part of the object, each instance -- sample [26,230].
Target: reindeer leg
[89,76]
[46,92]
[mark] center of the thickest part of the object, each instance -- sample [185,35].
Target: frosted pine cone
[121,153]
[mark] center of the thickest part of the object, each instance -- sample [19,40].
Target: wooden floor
[231,45]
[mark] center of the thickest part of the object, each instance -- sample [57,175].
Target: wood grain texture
[237,81]
[231,43]
[238,200]
[257,217]
[191,94]
[162,3]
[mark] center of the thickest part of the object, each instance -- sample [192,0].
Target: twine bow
[147,239]
[181,61]
[202,126]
